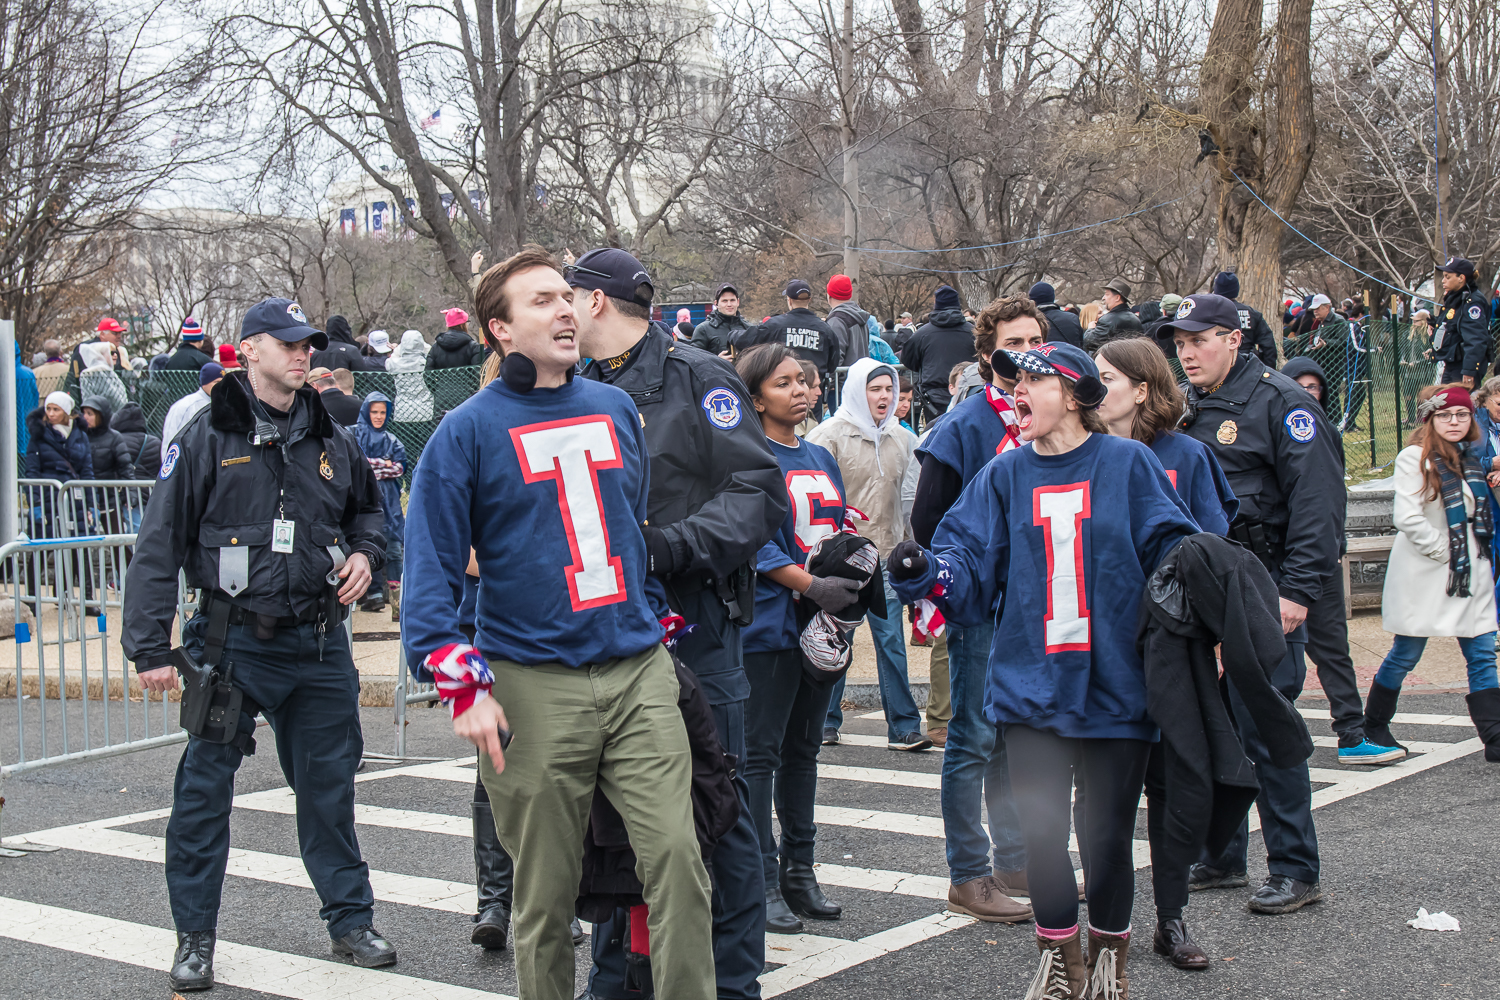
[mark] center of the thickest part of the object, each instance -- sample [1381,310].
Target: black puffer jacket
[143,446]
[1065,325]
[714,333]
[49,456]
[945,340]
[112,459]
[1117,324]
[454,348]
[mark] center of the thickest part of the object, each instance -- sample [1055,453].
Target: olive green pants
[615,725]
[939,707]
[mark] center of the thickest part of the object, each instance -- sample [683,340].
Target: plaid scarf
[1458,519]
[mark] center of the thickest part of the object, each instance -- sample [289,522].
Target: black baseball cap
[796,289]
[282,319]
[1202,312]
[726,288]
[613,272]
[1458,265]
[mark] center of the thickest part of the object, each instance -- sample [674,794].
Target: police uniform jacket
[1281,457]
[212,509]
[1257,333]
[808,336]
[716,489]
[1465,316]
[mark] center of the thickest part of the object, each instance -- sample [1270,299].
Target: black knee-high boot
[1484,709]
[494,877]
[1380,708]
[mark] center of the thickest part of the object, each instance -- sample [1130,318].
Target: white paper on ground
[1433,921]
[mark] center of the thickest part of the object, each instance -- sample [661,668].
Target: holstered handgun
[211,704]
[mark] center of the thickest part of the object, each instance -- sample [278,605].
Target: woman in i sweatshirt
[1067,528]
[785,712]
[1438,579]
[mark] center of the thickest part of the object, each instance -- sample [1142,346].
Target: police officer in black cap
[716,496]
[1461,339]
[800,329]
[272,511]
[1282,459]
[1253,325]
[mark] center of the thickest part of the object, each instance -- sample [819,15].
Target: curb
[867,696]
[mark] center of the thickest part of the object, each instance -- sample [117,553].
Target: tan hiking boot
[982,899]
[1061,975]
[1014,883]
[1108,977]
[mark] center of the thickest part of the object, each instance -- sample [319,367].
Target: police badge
[1228,432]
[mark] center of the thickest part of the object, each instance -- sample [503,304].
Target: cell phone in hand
[505,737]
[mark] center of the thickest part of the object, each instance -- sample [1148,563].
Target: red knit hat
[1453,395]
[227,356]
[840,288]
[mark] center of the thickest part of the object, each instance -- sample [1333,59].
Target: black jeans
[783,733]
[1169,873]
[1042,769]
[1328,648]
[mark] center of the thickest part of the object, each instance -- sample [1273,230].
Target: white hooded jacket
[408,362]
[873,458]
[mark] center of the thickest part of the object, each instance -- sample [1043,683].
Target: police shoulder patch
[169,460]
[1301,425]
[722,407]
[1475,312]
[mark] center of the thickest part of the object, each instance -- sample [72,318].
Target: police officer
[716,496]
[1281,456]
[800,329]
[1253,325]
[274,514]
[1461,340]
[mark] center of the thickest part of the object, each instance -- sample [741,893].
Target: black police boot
[799,886]
[1484,709]
[494,876]
[577,929]
[1380,708]
[1202,876]
[779,917]
[193,964]
[365,947]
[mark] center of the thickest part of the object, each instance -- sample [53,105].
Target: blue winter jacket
[383,444]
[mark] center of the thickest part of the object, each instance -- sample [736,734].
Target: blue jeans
[901,715]
[1407,650]
[975,767]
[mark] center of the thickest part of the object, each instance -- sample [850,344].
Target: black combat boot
[494,877]
[193,964]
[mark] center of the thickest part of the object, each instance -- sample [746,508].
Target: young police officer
[273,512]
[716,496]
[1282,460]
[1462,339]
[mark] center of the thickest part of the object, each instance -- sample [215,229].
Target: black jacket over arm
[1209,591]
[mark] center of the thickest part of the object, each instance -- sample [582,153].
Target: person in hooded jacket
[342,351]
[873,451]
[413,400]
[848,320]
[723,324]
[387,457]
[945,340]
[144,447]
[99,377]
[454,348]
[112,460]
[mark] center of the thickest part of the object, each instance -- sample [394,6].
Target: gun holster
[211,704]
[737,593]
[1253,536]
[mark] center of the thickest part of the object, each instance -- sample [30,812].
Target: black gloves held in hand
[659,561]
[832,593]
[907,562]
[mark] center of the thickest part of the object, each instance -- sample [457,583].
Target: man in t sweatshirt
[571,648]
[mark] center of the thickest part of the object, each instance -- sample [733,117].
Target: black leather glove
[659,560]
[908,561]
[832,593]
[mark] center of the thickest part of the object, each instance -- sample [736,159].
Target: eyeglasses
[1452,416]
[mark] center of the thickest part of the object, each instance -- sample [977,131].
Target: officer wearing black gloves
[716,496]
[1461,339]
[273,512]
[1281,456]
[1253,326]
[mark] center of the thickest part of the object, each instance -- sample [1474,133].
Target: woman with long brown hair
[1437,582]
[1145,404]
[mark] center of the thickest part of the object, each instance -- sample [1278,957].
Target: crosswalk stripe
[1415,746]
[1406,718]
[860,740]
[245,966]
[880,776]
[851,953]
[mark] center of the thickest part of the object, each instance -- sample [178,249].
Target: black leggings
[1042,769]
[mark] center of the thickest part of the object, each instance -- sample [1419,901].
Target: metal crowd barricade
[72,691]
[408,692]
[109,506]
[41,508]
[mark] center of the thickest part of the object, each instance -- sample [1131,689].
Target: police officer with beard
[1280,455]
[716,496]
[274,514]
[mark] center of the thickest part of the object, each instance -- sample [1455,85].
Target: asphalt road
[91,920]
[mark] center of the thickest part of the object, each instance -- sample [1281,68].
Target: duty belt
[222,612]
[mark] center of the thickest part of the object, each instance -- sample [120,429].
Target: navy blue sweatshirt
[1200,482]
[549,487]
[1067,541]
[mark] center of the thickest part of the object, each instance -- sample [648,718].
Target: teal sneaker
[1370,753]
